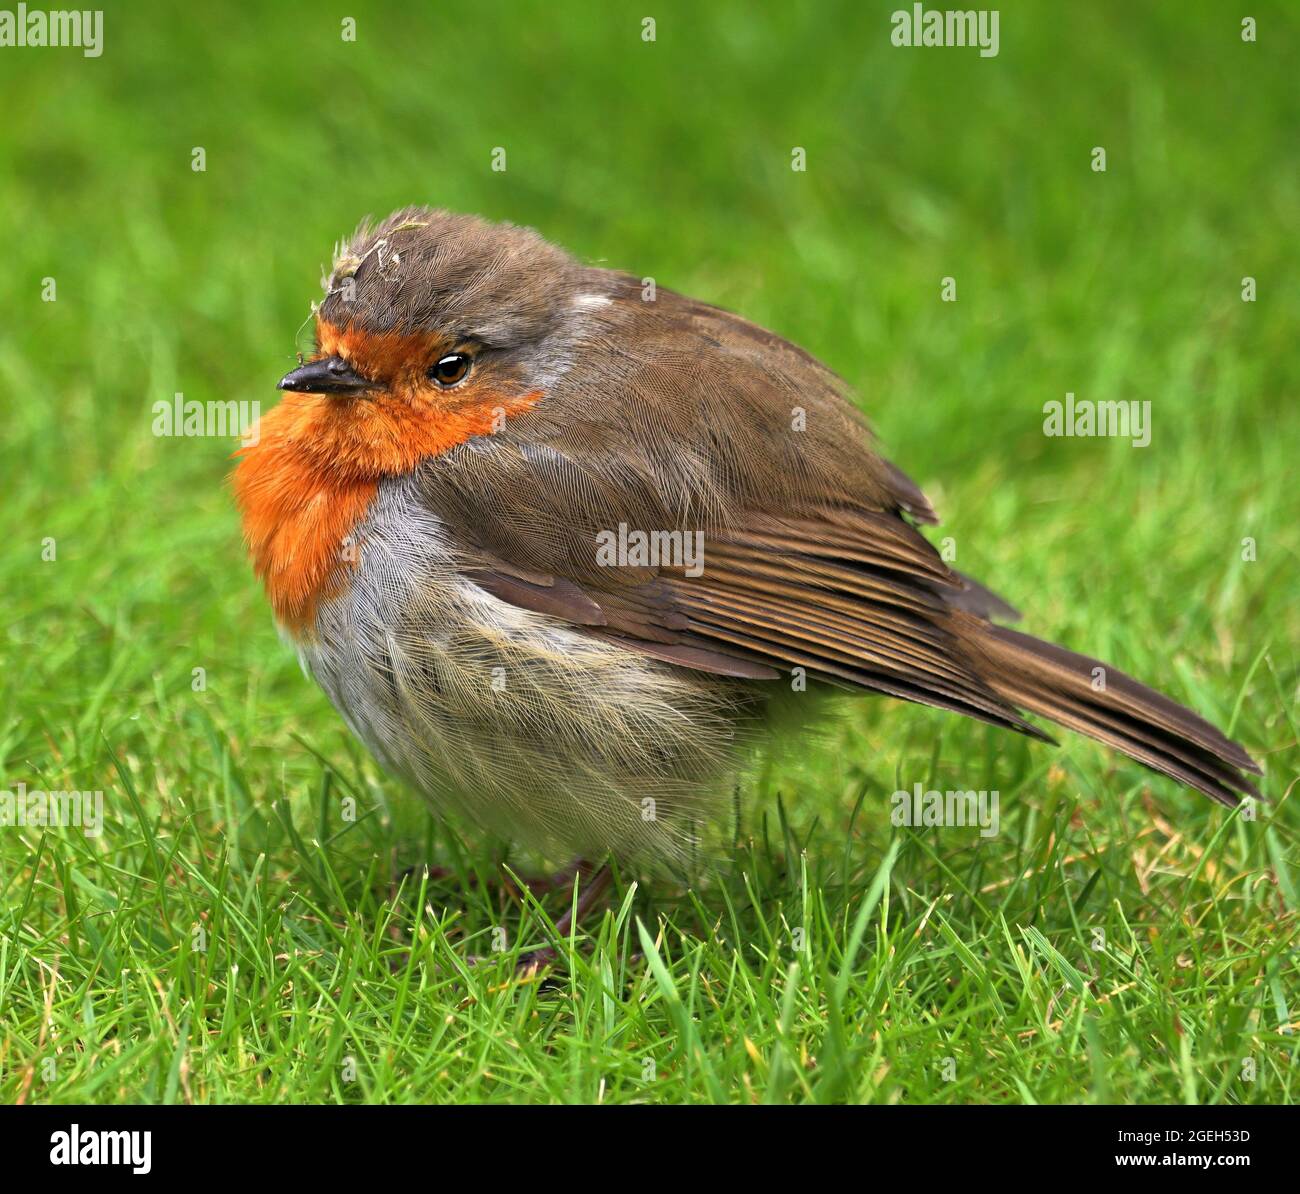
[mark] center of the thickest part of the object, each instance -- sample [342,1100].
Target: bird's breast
[299,524]
[306,484]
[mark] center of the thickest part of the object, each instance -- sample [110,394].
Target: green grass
[1119,940]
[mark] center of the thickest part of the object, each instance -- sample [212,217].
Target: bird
[560,544]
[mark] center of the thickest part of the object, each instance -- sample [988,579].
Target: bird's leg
[595,886]
[593,882]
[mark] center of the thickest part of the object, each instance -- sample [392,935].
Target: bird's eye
[451,370]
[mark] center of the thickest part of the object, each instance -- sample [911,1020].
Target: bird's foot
[594,884]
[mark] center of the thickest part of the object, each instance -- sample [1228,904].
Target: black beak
[329,375]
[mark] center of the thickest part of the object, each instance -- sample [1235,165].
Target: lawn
[236,934]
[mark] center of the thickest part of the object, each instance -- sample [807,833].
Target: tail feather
[1092,698]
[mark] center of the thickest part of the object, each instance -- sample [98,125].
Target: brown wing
[856,598]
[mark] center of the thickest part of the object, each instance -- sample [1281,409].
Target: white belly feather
[531,728]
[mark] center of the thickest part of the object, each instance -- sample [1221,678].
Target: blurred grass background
[672,159]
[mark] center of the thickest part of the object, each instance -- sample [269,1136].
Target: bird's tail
[1092,698]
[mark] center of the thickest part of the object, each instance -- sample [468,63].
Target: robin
[556,544]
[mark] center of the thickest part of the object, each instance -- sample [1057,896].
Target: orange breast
[308,482]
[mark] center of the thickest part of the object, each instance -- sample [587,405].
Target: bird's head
[436,327]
